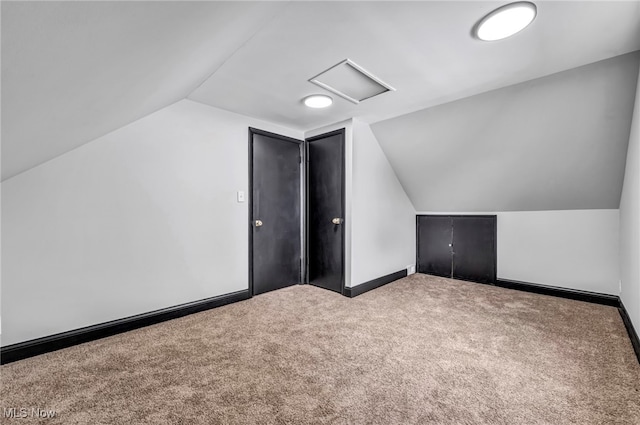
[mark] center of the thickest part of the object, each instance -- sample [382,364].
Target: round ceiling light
[318,101]
[505,21]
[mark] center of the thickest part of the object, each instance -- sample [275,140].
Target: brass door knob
[258,223]
[336,220]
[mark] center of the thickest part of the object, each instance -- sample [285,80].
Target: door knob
[336,220]
[258,223]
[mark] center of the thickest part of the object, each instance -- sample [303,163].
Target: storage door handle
[337,220]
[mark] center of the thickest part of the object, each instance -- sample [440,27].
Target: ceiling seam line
[88,142]
[267,22]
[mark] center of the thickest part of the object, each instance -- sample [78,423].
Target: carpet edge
[46,344]
[360,289]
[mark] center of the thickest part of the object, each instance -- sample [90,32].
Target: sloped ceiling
[423,49]
[74,71]
[558,142]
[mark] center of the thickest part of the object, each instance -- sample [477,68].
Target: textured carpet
[419,350]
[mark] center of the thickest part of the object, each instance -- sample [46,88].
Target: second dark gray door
[474,248]
[325,197]
[275,224]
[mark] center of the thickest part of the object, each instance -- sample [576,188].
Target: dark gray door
[275,226]
[434,245]
[474,248]
[325,197]
[461,247]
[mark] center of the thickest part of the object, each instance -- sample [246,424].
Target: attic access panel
[350,81]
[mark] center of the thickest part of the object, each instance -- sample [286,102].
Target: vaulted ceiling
[74,71]
[556,142]
[423,49]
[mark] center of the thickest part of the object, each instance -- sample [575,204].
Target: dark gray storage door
[434,245]
[474,248]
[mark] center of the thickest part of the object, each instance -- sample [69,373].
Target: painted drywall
[554,143]
[143,218]
[83,69]
[348,189]
[80,69]
[576,249]
[630,222]
[383,218]
[422,48]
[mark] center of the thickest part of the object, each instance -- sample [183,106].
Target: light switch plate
[241,196]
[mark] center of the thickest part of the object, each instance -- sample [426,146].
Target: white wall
[383,237]
[630,222]
[575,249]
[143,218]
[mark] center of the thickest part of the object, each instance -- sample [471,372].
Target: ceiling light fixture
[505,21]
[318,101]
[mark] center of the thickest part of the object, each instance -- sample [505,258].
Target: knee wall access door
[457,246]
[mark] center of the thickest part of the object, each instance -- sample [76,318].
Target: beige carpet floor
[421,350]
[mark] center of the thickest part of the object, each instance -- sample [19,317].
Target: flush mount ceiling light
[318,101]
[505,21]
